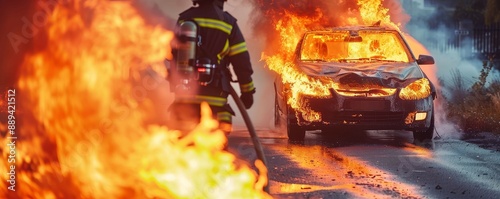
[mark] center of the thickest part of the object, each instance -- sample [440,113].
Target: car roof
[354,28]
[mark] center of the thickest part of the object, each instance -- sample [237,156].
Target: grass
[475,108]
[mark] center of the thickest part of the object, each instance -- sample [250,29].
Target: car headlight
[419,89]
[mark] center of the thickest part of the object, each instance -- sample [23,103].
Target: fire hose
[255,139]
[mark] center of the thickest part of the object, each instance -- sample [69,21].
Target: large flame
[281,62]
[290,26]
[84,131]
[333,47]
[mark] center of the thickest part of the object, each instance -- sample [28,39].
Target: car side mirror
[425,60]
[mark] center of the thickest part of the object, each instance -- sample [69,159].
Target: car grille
[370,93]
[365,118]
[367,105]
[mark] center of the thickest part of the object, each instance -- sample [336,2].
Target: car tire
[427,135]
[295,133]
[293,130]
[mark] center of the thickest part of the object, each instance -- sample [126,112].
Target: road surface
[376,164]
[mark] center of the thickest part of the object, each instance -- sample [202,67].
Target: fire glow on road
[335,171]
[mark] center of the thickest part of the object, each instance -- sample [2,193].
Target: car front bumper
[386,113]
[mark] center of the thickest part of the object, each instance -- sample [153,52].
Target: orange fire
[332,47]
[300,84]
[417,90]
[290,28]
[85,130]
[372,11]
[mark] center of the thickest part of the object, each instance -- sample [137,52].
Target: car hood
[388,74]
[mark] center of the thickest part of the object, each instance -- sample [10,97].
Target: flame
[300,84]
[290,27]
[333,47]
[87,134]
[416,90]
[372,11]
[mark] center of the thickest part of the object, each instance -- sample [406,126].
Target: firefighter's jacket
[223,43]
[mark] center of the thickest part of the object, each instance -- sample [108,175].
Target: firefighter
[219,42]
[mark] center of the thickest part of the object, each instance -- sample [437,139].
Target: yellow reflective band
[238,48]
[224,51]
[247,87]
[198,99]
[224,117]
[215,24]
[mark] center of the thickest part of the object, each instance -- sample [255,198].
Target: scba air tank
[187,33]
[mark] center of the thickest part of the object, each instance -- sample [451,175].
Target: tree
[470,10]
[491,14]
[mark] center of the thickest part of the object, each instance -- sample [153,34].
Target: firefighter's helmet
[209,1]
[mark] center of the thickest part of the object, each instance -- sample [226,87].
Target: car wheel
[425,135]
[293,130]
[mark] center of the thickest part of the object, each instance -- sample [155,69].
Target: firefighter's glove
[247,99]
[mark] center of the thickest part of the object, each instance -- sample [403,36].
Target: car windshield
[354,46]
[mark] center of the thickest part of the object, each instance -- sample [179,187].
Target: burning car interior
[353,46]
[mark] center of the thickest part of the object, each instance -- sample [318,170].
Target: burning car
[369,78]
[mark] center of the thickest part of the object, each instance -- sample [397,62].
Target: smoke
[436,38]
[326,13]
[261,111]
[171,8]
[453,67]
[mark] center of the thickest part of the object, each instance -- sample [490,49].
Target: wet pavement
[376,164]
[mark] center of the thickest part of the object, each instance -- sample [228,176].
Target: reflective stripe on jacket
[221,38]
[198,99]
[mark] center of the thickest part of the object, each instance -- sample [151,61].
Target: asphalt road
[376,164]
